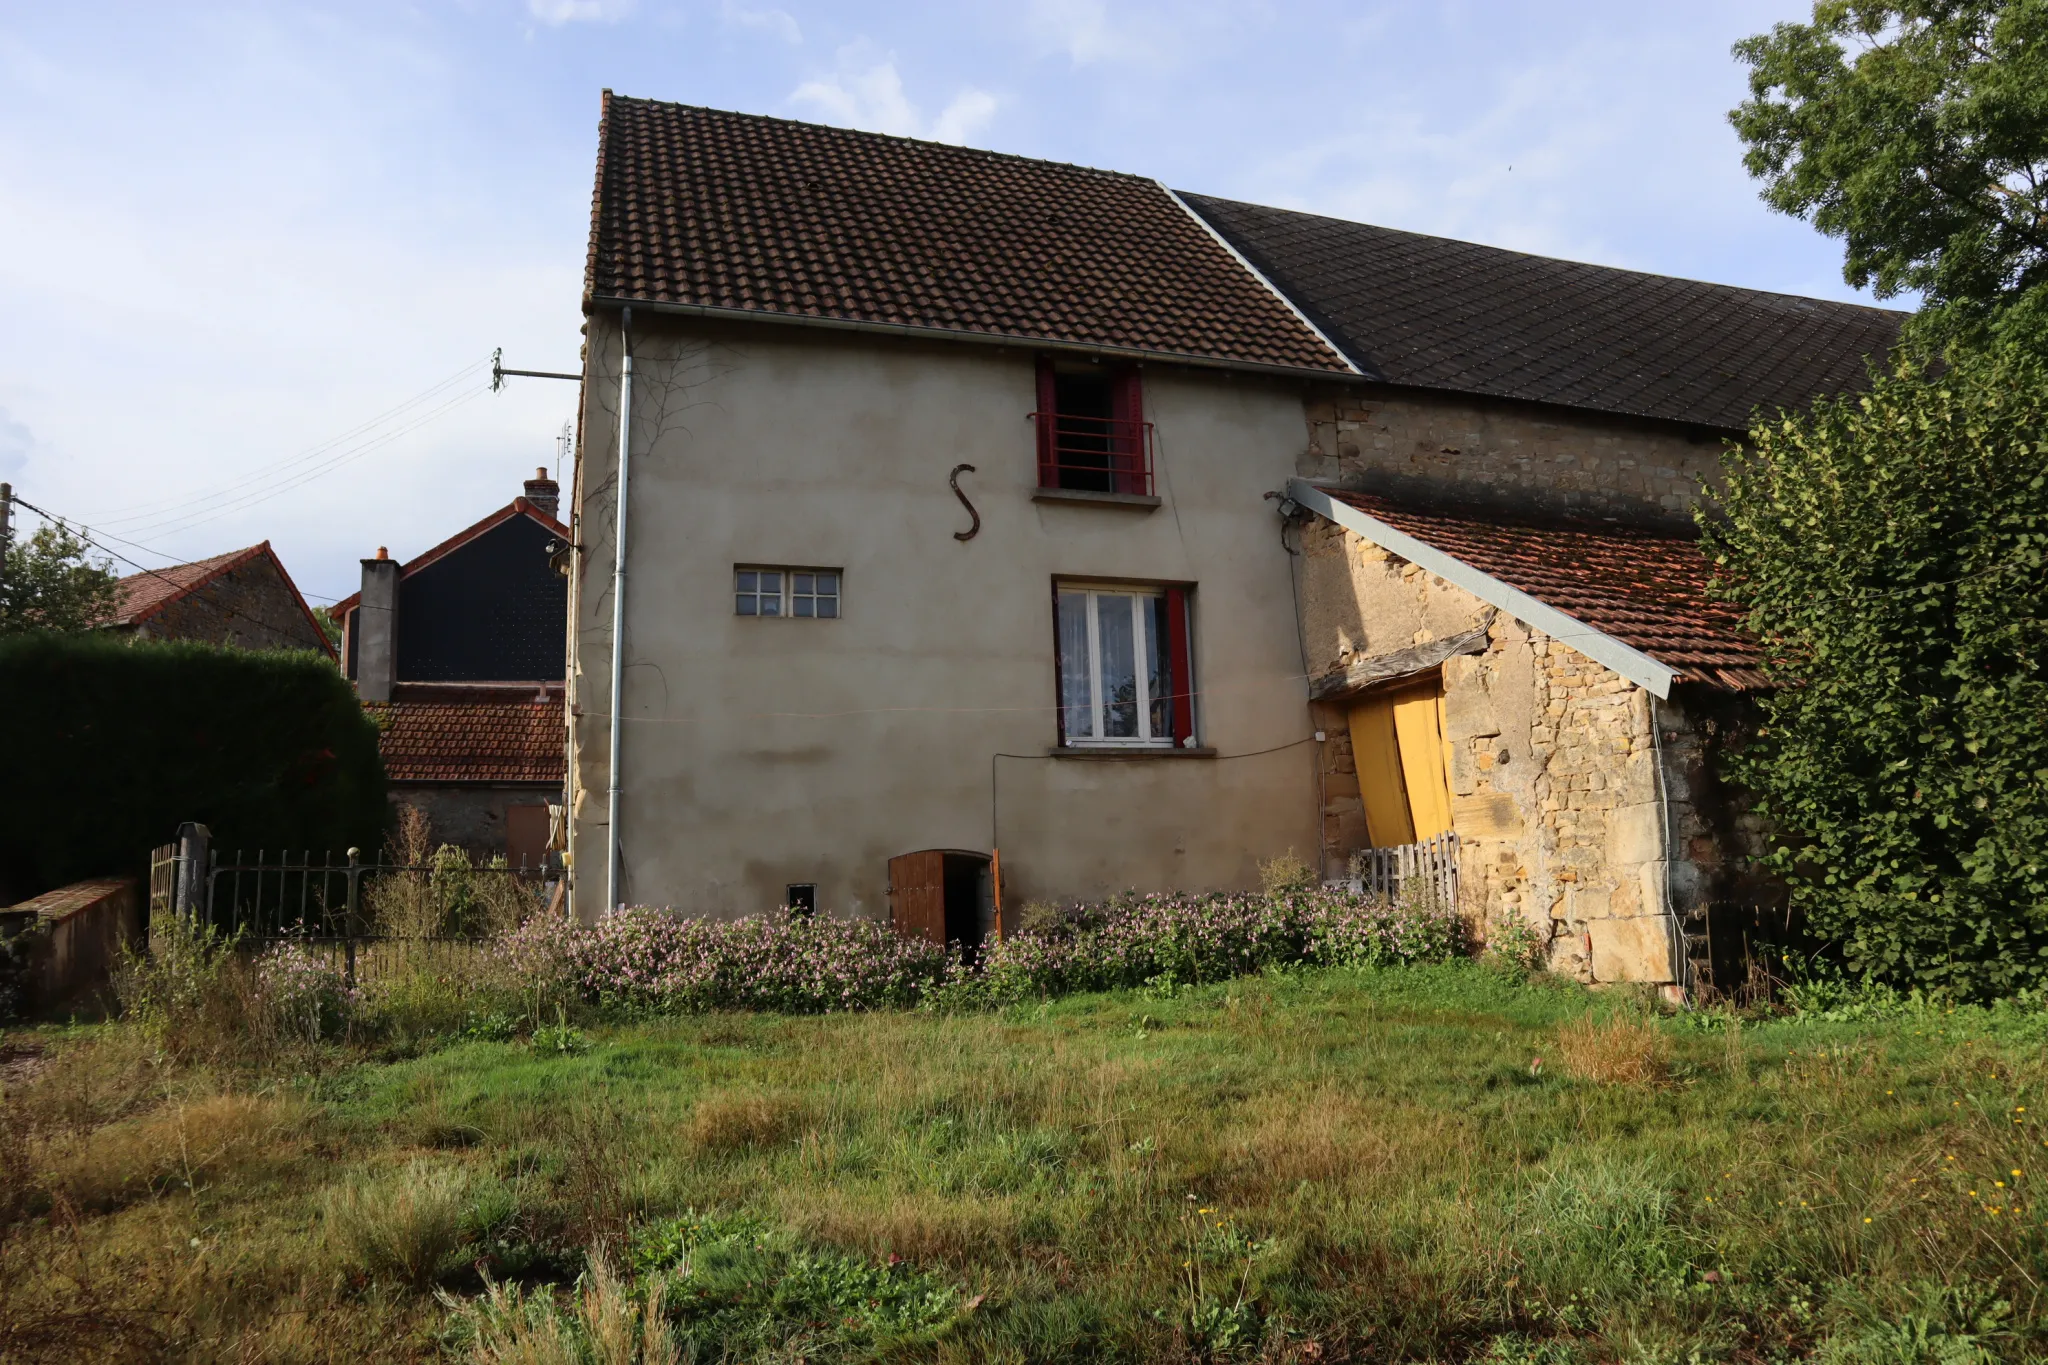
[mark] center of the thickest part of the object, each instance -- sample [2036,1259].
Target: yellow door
[1418,724]
[1376,754]
[1397,746]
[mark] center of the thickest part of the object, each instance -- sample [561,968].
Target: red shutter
[1048,426]
[1059,668]
[1178,659]
[1128,408]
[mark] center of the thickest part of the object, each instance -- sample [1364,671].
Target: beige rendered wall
[764,752]
[1554,767]
[1500,450]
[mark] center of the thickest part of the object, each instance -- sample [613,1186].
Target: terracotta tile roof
[1645,588]
[145,594]
[471,741]
[760,215]
[1430,312]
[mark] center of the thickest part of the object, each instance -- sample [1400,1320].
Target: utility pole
[6,533]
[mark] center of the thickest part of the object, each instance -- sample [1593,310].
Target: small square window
[810,593]
[801,899]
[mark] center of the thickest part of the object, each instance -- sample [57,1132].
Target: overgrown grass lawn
[1439,1163]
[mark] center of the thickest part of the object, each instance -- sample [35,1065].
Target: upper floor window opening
[1092,432]
[785,592]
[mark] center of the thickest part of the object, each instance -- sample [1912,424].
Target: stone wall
[473,815]
[252,607]
[1492,450]
[1558,779]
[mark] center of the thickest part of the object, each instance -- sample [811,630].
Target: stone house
[244,598]
[1504,613]
[951,575]
[457,655]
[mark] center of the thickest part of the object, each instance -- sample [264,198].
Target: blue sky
[234,239]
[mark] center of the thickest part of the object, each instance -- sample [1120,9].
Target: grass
[1442,1163]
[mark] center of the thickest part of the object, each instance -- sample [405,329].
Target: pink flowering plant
[652,961]
[1182,940]
[305,994]
[643,960]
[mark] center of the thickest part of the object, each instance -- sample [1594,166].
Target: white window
[1123,666]
[786,592]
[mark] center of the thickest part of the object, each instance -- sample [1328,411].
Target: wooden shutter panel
[1127,406]
[1179,660]
[1048,425]
[1418,723]
[917,895]
[1376,755]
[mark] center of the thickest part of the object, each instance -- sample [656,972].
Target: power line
[80,532]
[289,470]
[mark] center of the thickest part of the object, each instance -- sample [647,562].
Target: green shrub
[1891,551]
[127,741]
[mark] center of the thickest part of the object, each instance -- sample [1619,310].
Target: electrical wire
[162,509]
[80,532]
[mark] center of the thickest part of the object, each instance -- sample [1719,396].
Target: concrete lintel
[1631,663]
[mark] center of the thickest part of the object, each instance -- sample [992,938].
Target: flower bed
[644,960]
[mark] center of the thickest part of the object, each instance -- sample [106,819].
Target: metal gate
[373,918]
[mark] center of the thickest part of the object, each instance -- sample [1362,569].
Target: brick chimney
[376,629]
[544,493]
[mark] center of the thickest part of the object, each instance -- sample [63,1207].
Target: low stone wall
[63,945]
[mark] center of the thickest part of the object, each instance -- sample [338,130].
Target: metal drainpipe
[611,882]
[1681,966]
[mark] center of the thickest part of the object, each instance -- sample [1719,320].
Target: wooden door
[917,895]
[1376,756]
[526,835]
[1419,724]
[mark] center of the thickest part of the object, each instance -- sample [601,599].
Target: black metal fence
[374,918]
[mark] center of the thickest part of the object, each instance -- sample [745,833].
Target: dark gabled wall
[491,610]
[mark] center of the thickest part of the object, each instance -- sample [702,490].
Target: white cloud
[773,21]
[967,115]
[1087,32]
[555,13]
[871,96]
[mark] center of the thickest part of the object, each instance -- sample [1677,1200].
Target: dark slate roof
[1433,313]
[1646,588]
[761,215]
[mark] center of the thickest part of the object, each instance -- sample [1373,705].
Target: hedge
[113,744]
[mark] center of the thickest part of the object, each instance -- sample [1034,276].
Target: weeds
[1618,1050]
[403,1227]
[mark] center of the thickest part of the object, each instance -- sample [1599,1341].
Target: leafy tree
[330,625]
[1917,132]
[48,583]
[1892,551]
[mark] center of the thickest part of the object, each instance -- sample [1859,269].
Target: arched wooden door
[942,895]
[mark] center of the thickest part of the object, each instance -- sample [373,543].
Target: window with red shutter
[1092,433]
[1126,675]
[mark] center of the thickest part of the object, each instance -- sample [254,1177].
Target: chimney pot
[383,553]
[544,493]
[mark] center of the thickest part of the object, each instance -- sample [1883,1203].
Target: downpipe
[615,762]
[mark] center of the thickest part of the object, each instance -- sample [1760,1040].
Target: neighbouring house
[457,654]
[999,530]
[244,599]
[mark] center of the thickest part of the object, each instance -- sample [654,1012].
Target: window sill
[1126,753]
[1143,502]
